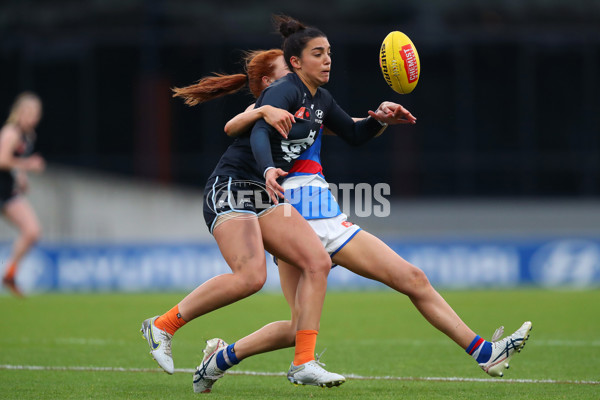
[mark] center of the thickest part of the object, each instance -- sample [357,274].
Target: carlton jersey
[299,153]
[311,113]
[250,154]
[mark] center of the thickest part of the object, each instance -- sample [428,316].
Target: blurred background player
[17,138]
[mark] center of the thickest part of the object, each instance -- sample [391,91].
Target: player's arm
[360,130]
[9,140]
[353,132]
[282,96]
[329,132]
[278,118]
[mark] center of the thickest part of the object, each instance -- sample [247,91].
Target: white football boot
[208,372]
[311,373]
[503,350]
[160,344]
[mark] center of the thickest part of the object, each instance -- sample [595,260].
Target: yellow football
[399,62]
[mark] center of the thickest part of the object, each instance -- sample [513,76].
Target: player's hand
[279,119]
[393,114]
[273,187]
[35,163]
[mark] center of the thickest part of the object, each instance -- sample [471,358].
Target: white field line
[257,373]
[104,342]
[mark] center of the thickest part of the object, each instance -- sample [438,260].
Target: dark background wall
[508,102]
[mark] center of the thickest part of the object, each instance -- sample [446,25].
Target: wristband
[265,173]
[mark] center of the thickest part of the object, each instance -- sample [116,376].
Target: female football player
[16,142]
[352,248]
[245,225]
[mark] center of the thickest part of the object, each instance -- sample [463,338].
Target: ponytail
[257,63]
[286,26]
[210,88]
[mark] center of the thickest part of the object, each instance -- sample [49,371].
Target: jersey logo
[302,113]
[347,224]
[293,148]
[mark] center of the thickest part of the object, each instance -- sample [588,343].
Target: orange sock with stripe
[306,341]
[11,271]
[170,321]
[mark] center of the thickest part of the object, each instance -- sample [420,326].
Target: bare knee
[319,265]
[250,283]
[32,234]
[417,282]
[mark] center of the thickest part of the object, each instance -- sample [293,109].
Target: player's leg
[240,242]
[19,212]
[368,256]
[288,236]
[219,356]
[278,334]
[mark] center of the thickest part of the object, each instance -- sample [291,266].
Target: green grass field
[367,335]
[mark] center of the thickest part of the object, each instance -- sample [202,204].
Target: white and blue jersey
[306,188]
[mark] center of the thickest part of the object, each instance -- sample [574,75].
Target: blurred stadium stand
[92,207]
[507,103]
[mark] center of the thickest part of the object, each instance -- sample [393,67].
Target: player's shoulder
[324,93]
[324,97]
[286,83]
[10,132]
[284,88]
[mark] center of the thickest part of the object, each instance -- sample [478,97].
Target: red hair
[258,63]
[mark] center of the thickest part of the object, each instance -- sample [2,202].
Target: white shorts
[334,232]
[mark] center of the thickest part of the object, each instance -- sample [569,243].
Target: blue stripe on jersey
[313,152]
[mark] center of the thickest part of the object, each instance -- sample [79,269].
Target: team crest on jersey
[302,113]
[293,148]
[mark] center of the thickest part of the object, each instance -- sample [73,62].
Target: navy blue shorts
[7,188]
[223,195]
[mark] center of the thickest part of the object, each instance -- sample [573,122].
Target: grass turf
[367,334]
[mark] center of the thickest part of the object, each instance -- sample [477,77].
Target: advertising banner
[448,263]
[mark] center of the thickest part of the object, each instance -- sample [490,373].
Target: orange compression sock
[306,340]
[170,321]
[11,271]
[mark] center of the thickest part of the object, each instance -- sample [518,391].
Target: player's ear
[266,81]
[295,61]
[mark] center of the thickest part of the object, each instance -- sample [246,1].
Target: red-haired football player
[233,217]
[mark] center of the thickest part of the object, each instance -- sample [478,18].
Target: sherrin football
[399,62]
